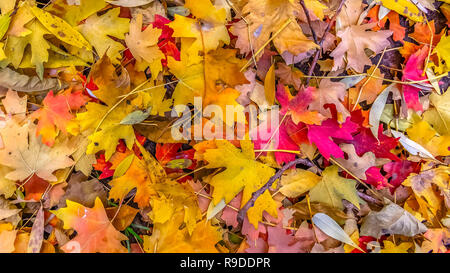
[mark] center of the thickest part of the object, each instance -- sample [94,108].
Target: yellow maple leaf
[204,32]
[144,46]
[142,174]
[422,133]
[296,182]
[153,187]
[97,30]
[169,238]
[191,80]
[179,198]
[110,130]
[422,186]
[153,98]
[222,66]
[103,122]
[211,80]
[39,46]
[22,17]
[26,155]
[390,247]
[333,188]
[242,173]
[265,18]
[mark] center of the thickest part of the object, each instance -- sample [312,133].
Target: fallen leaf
[95,233]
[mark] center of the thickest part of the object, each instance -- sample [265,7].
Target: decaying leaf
[392,219]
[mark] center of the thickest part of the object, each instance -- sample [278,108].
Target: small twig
[302,2]
[250,203]
[369,198]
[316,56]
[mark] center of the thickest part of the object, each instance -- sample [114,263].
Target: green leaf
[179,163]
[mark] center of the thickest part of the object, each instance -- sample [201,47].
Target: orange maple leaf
[95,233]
[56,115]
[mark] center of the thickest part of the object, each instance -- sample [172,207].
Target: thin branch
[302,2]
[250,203]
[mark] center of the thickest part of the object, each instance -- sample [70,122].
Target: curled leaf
[23,83]
[377,110]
